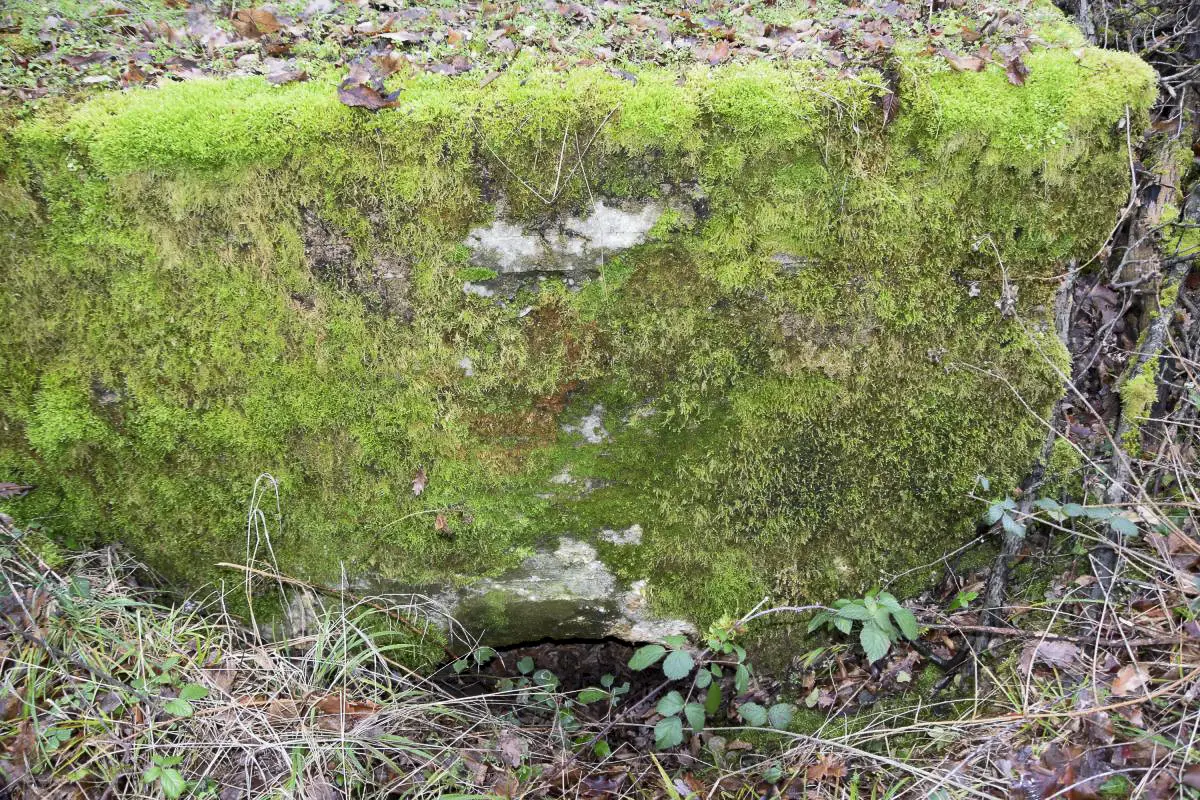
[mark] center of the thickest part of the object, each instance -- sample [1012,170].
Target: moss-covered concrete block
[726,332]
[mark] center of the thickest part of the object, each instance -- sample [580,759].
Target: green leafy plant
[963,600]
[1004,511]
[181,706]
[609,692]
[778,716]
[481,656]
[704,696]
[882,620]
[676,663]
[163,773]
[53,738]
[1120,521]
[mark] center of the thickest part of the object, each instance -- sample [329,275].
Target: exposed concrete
[571,249]
[572,244]
[564,593]
[631,535]
[591,427]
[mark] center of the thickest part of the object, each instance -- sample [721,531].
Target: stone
[744,347]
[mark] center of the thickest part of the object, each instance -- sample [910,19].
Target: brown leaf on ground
[335,713]
[513,748]
[1130,678]
[441,526]
[281,72]
[22,751]
[506,785]
[252,23]
[287,76]
[222,678]
[1054,653]
[890,105]
[719,53]
[877,42]
[133,75]
[827,768]
[283,709]
[961,63]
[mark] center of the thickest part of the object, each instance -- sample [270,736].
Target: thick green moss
[1137,396]
[166,338]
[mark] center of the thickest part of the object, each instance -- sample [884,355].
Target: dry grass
[92,670]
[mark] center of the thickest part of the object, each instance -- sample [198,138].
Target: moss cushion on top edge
[787,382]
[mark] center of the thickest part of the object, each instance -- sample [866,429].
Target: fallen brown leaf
[252,23]
[1056,653]
[133,75]
[513,748]
[335,713]
[283,76]
[827,768]
[719,54]
[1016,71]
[960,63]
[11,491]
[1129,679]
[363,88]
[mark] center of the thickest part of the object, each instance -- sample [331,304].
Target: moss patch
[799,385]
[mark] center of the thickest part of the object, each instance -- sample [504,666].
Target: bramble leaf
[591,695]
[178,707]
[906,621]
[646,656]
[670,705]
[192,691]
[874,642]
[668,733]
[753,714]
[779,716]
[678,664]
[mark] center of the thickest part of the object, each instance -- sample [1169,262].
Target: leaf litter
[100,45]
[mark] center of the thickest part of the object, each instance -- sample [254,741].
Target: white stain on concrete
[477,289]
[630,536]
[573,243]
[637,624]
[590,427]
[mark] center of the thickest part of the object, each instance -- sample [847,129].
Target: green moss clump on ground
[801,376]
[1137,396]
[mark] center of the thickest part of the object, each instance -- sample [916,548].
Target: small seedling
[164,774]
[882,619]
